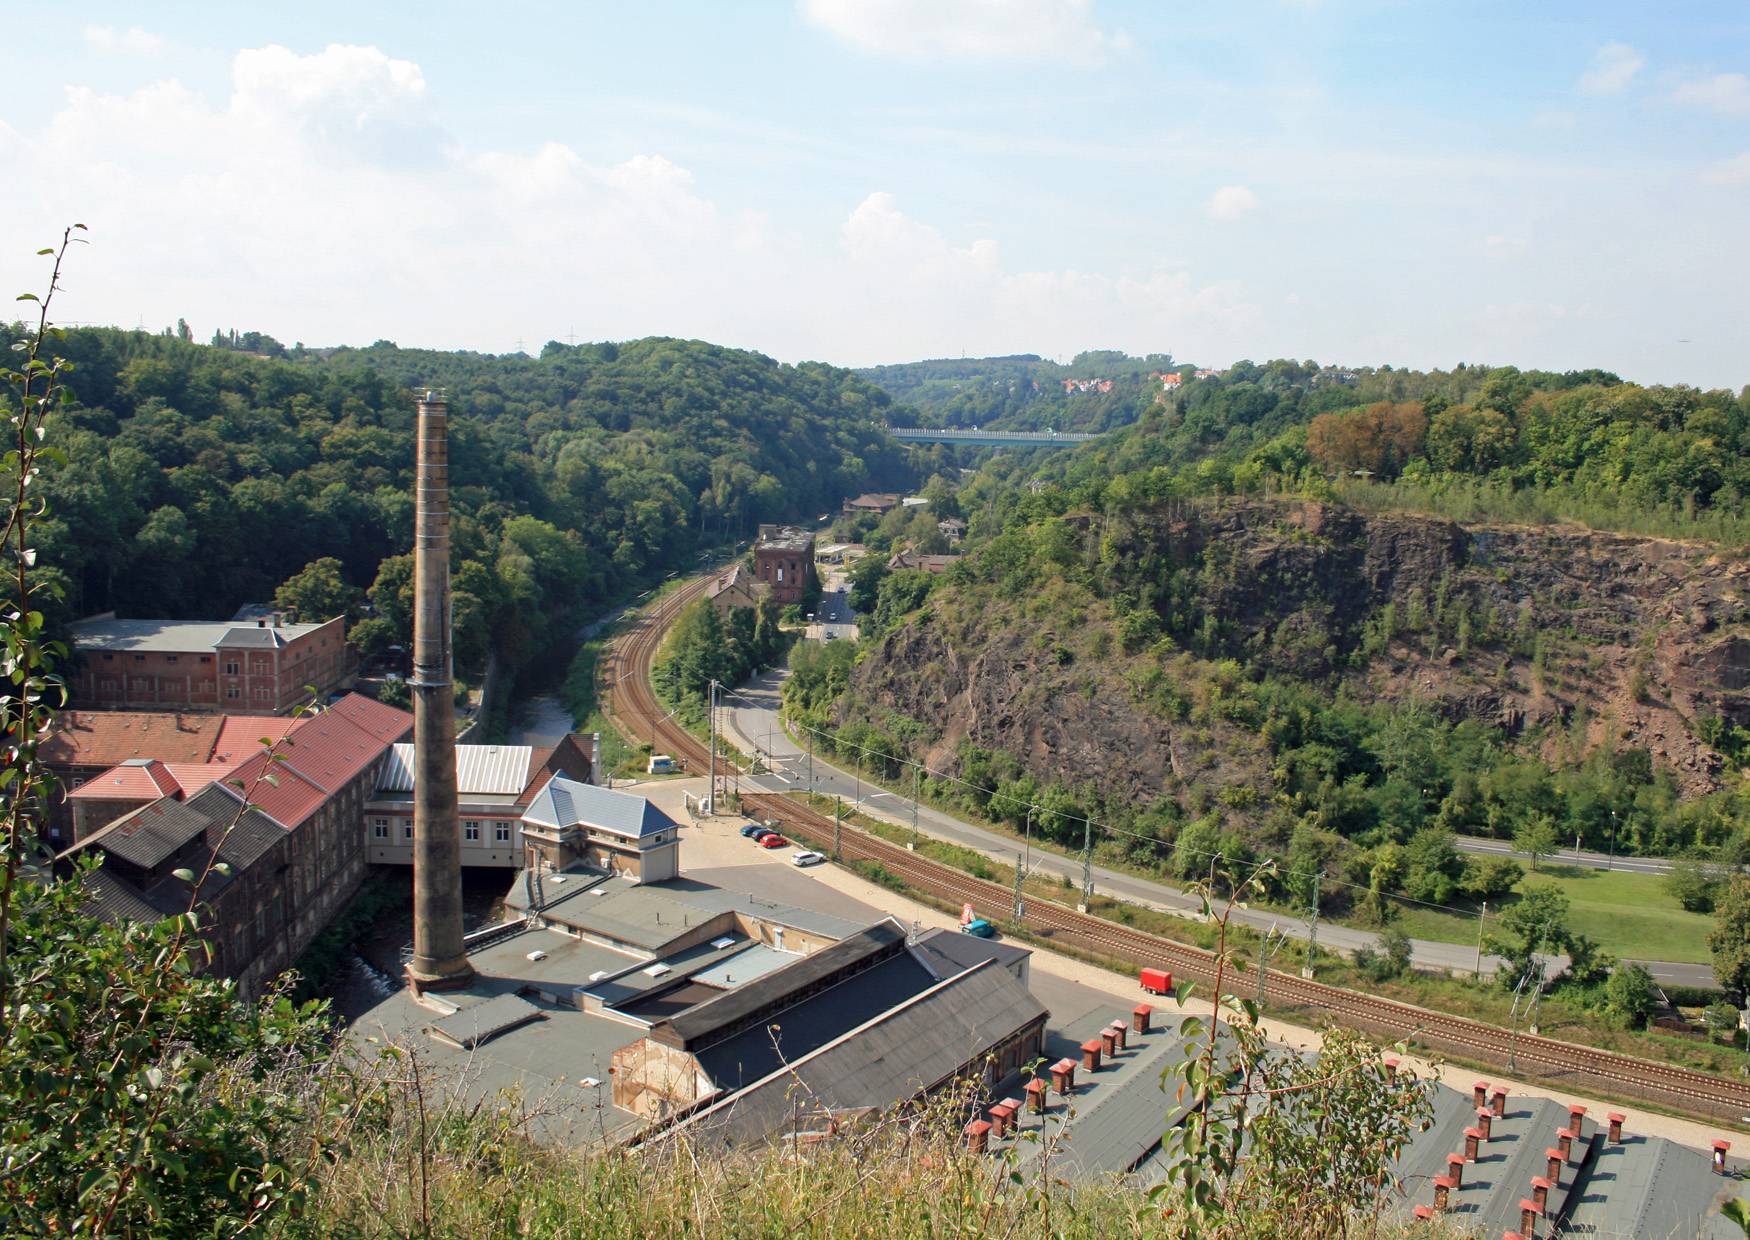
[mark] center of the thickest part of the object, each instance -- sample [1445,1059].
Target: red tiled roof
[386,723]
[240,736]
[130,781]
[105,738]
[324,752]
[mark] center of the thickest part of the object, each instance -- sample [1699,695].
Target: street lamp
[1611,863]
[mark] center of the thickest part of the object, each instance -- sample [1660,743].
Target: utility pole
[809,733]
[916,773]
[1029,839]
[1020,872]
[1087,864]
[713,730]
[1312,938]
[838,813]
[1484,913]
[1264,954]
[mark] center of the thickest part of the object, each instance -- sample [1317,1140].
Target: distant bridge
[994,439]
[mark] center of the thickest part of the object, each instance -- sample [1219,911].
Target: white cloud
[288,206]
[1613,66]
[1734,171]
[1724,92]
[920,294]
[968,30]
[130,42]
[1231,202]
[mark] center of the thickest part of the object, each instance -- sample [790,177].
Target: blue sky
[1556,185]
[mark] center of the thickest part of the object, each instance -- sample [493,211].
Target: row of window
[470,830]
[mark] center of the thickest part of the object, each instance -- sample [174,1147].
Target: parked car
[807,858]
[772,839]
[752,829]
[980,927]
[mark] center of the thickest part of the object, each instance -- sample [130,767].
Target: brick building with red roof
[287,883]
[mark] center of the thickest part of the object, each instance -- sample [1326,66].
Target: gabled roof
[322,755]
[137,779]
[150,834]
[565,802]
[104,738]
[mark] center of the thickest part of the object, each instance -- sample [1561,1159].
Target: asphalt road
[1568,856]
[752,724]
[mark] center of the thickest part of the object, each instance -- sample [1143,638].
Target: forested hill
[1105,389]
[201,477]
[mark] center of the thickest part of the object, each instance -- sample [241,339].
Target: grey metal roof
[722,900]
[111,898]
[481,770]
[896,1055]
[179,636]
[565,802]
[729,1015]
[643,917]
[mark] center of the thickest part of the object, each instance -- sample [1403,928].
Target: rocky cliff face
[1636,639]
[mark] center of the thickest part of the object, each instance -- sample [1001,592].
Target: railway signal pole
[838,816]
[1020,873]
[1312,937]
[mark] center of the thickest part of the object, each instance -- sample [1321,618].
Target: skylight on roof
[658,969]
[725,941]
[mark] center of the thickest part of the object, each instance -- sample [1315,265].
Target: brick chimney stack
[439,961]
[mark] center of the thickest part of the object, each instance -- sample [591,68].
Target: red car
[774,840]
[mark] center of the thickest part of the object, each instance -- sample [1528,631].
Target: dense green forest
[1107,389]
[1235,579]
[202,477]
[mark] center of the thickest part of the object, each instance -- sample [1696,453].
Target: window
[261,693]
[780,572]
[78,781]
[139,658]
[381,828]
[170,658]
[231,667]
[501,832]
[471,832]
[232,691]
[206,658]
[407,830]
[109,658]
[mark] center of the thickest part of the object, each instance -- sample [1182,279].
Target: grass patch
[1627,914]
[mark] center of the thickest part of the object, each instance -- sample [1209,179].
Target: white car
[807,858]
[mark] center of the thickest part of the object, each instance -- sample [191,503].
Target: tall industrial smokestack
[439,960]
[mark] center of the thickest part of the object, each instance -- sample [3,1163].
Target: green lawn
[1626,914]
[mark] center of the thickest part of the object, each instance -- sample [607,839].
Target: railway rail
[1548,1061]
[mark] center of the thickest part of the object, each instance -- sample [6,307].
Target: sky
[1555,185]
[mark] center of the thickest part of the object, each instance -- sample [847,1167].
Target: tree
[866,582]
[1629,996]
[1433,867]
[319,591]
[1490,878]
[1729,940]
[1721,1020]
[1536,923]
[1536,838]
[1693,884]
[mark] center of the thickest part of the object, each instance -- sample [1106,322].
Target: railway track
[1552,1063]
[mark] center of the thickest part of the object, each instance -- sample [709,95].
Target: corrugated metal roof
[481,770]
[564,802]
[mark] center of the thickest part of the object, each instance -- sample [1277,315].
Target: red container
[1157,981]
